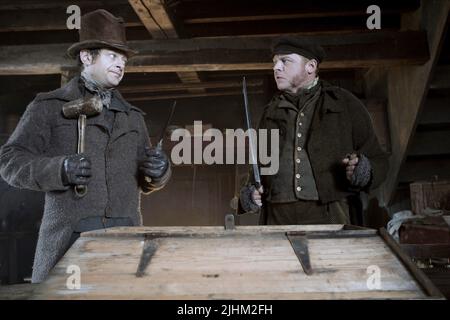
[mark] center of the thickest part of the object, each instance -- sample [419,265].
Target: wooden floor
[211,263]
[22,291]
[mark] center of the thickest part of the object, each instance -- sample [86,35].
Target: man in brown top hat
[117,163]
[328,148]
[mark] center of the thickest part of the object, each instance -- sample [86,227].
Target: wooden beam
[282,16]
[159,13]
[150,23]
[229,53]
[149,88]
[225,11]
[270,17]
[56,4]
[191,77]
[158,23]
[407,90]
[55,18]
[311,26]
[263,17]
[193,95]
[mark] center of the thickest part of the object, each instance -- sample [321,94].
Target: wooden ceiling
[202,18]
[200,48]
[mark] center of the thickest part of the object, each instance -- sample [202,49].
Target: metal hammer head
[87,106]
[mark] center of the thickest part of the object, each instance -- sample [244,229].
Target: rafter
[156,19]
[229,53]
[54,18]
[149,88]
[193,95]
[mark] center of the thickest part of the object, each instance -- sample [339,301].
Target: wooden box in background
[430,194]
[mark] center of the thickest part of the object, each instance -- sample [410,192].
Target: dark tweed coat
[33,157]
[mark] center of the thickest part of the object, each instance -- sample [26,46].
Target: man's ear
[311,66]
[85,57]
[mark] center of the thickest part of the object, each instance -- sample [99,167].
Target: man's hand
[358,170]
[257,196]
[250,198]
[155,163]
[76,170]
[350,162]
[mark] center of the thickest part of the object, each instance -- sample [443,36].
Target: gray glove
[362,175]
[246,199]
[76,170]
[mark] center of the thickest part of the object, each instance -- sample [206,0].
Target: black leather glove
[155,163]
[76,170]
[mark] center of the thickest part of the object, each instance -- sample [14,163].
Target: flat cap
[303,47]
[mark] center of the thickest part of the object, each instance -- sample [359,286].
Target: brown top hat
[100,29]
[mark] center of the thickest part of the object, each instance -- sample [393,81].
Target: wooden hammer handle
[81,132]
[80,190]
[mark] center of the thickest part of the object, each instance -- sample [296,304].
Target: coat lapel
[122,123]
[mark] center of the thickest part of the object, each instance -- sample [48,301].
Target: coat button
[299,148]
[299,189]
[302,114]
[298,160]
[297,176]
[300,124]
[299,135]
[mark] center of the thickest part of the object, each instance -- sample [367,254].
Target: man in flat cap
[328,148]
[118,162]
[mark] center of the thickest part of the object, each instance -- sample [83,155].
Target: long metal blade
[169,119]
[252,145]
